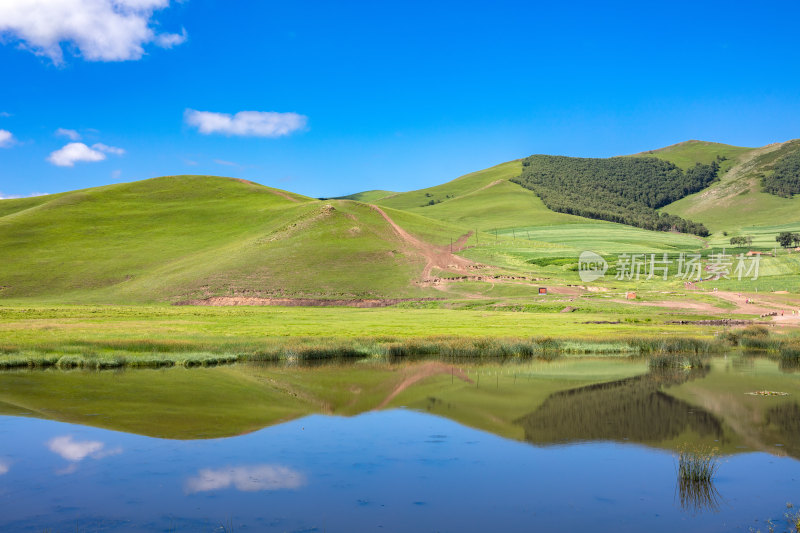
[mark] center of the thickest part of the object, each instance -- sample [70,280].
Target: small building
[542,290]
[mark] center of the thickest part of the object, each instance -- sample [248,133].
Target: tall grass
[697,467]
[698,464]
[672,352]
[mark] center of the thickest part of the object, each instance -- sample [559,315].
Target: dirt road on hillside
[746,304]
[435,256]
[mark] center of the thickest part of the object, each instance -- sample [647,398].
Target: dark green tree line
[785,179]
[627,190]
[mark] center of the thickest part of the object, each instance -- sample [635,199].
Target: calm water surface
[561,446]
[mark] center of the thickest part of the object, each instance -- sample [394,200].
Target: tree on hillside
[741,241]
[787,239]
[627,190]
[785,179]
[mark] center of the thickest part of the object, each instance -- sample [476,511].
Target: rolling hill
[184,237]
[736,203]
[187,238]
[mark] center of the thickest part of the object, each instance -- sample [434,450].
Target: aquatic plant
[697,467]
[697,464]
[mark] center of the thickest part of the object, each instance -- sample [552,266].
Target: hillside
[688,153]
[737,203]
[485,200]
[190,238]
[183,237]
[366,196]
[618,189]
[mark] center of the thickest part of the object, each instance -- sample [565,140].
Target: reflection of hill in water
[785,420]
[632,409]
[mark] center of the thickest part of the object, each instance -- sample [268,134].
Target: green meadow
[90,277]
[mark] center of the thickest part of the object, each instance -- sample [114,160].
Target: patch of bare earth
[438,257]
[297,302]
[746,304]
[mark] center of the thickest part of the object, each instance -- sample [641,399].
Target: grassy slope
[487,202]
[175,238]
[736,204]
[192,236]
[481,201]
[366,196]
[688,153]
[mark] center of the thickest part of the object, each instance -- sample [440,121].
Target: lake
[574,444]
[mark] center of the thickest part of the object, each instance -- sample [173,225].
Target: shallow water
[564,446]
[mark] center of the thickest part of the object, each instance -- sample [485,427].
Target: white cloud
[226,163]
[108,149]
[6,139]
[246,479]
[73,450]
[4,467]
[72,135]
[5,114]
[76,451]
[170,40]
[246,123]
[13,196]
[74,153]
[100,30]
[117,174]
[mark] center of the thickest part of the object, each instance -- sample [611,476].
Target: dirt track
[759,305]
[421,372]
[435,256]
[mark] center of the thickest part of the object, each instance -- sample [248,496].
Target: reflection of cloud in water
[246,478]
[4,466]
[76,451]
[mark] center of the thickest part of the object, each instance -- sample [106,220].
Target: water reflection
[784,419]
[635,409]
[76,451]
[698,496]
[252,478]
[393,468]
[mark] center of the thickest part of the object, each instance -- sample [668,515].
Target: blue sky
[365,95]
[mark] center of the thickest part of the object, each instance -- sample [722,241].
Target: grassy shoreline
[133,336]
[117,354]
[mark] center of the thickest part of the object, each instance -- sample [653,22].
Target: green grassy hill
[482,201]
[181,238]
[736,201]
[366,196]
[174,238]
[688,153]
